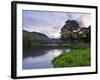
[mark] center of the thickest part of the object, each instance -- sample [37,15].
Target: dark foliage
[72,32]
[69,31]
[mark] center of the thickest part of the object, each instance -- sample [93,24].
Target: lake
[41,57]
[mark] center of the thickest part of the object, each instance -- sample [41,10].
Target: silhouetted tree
[69,31]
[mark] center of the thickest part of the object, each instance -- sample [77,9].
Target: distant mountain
[37,37]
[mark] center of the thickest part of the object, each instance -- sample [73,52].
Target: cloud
[50,23]
[84,20]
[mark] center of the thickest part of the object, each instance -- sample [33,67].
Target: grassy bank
[78,56]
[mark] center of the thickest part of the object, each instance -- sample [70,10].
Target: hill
[34,38]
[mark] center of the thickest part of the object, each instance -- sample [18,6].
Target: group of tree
[73,32]
[70,32]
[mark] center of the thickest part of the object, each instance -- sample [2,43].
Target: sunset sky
[50,23]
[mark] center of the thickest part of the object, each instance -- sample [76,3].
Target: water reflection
[41,58]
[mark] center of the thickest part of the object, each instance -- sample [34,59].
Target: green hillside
[34,38]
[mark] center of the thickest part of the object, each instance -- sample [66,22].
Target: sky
[50,23]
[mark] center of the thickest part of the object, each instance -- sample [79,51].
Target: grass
[78,56]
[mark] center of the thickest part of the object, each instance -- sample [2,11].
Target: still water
[41,57]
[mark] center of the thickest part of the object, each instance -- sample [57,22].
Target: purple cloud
[50,23]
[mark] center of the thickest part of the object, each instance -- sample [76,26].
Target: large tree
[69,31]
[85,34]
